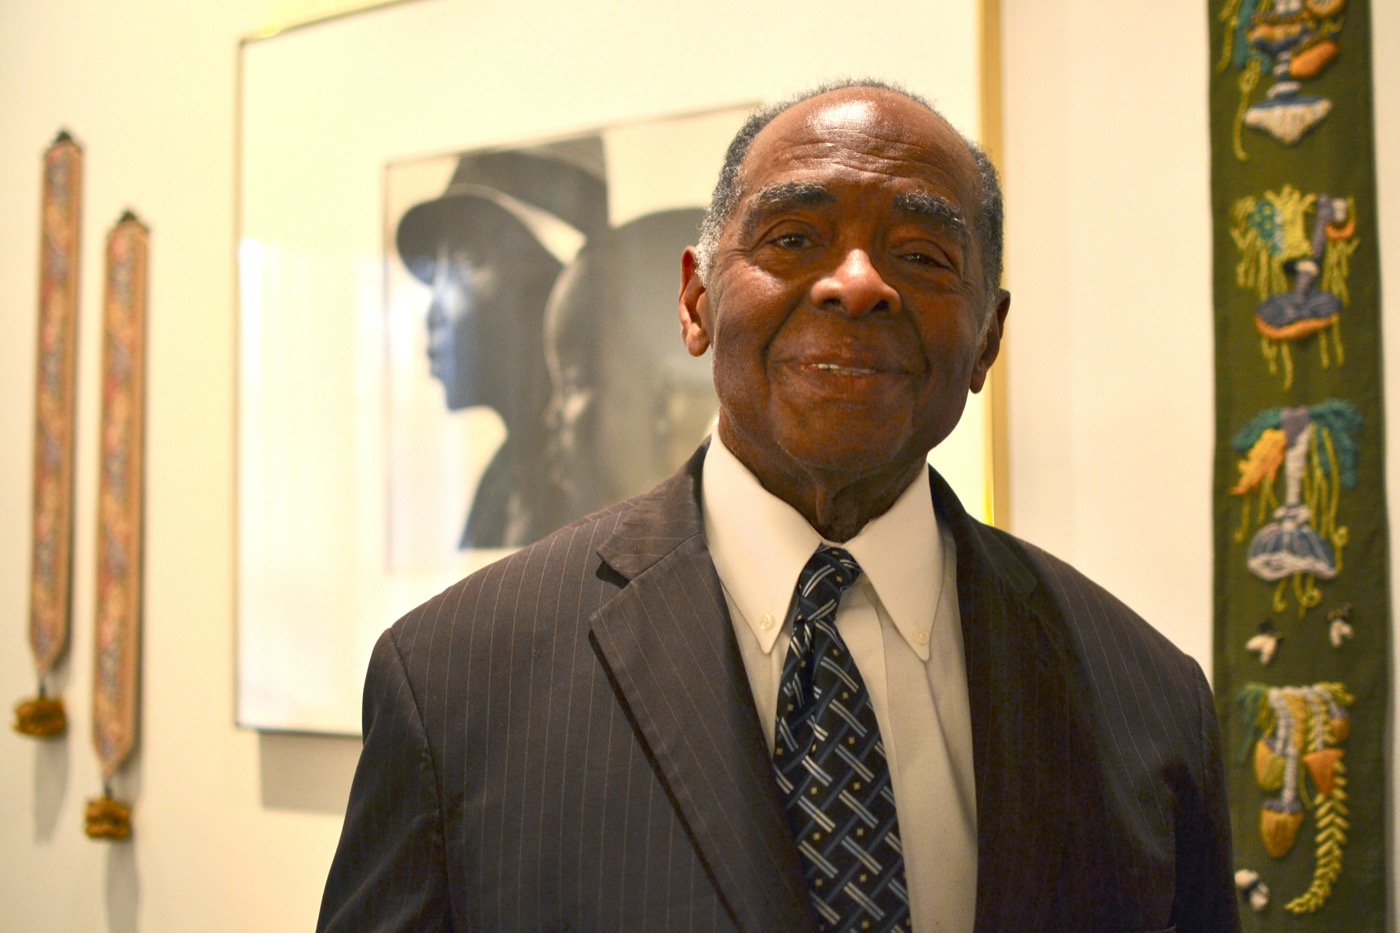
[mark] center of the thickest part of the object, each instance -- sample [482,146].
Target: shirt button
[766,622]
[921,637]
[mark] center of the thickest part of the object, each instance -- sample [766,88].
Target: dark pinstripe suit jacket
[566,741]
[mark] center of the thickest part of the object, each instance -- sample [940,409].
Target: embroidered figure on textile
[1302,541]
[1289,727]
[1265,644]
[1293,41]
[1255,891]
[1339,630]
[1300,277]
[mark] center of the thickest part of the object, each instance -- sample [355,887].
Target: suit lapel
[667,643]
[1018,679]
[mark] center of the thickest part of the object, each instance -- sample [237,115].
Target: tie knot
[828,574]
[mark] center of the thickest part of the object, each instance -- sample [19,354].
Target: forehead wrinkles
[865,139]
[876,128]
[872,150]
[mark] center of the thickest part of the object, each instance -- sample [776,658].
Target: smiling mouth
[836,370]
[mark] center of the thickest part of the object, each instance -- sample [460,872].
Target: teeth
[842,370]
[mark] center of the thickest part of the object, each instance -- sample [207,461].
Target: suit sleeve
[1205,894]
[389,870]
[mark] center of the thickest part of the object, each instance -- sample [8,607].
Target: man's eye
[792,240]
[922,258]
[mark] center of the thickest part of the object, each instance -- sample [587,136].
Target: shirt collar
[760,544]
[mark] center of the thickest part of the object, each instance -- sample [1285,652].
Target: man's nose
[855,287]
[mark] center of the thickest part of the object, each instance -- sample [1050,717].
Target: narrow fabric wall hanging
[50,586]
[116,668]
[1302,592]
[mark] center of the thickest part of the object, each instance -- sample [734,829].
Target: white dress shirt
[901,624]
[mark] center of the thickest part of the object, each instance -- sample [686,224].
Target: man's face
[846,300]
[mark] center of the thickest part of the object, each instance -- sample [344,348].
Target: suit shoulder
[536,582]
[1093,617]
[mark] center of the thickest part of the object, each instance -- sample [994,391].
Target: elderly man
[796,686]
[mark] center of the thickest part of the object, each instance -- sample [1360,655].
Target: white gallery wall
[1110,364]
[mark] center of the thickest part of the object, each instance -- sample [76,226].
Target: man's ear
[694,305]
[991,341]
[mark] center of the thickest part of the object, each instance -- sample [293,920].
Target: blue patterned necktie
[831,766]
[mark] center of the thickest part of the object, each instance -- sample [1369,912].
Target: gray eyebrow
[918,205]
[935,210]
[780,197]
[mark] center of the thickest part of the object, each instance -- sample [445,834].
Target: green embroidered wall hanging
[1302,599]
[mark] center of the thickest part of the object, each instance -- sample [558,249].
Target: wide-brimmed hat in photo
[496,194]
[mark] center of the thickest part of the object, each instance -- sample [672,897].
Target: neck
[839,512]
[838,504]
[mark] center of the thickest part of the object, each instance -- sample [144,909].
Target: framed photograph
[443,358]
[457,323]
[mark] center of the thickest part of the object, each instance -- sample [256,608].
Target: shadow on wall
[123,888]
[307,773]
[51,767]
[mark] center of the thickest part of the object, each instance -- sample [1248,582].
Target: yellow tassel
[108,819]
[41,717]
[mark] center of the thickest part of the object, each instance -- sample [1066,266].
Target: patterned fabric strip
[120,521]
[61,227]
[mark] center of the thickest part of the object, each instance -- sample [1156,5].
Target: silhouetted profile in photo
[479,249]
